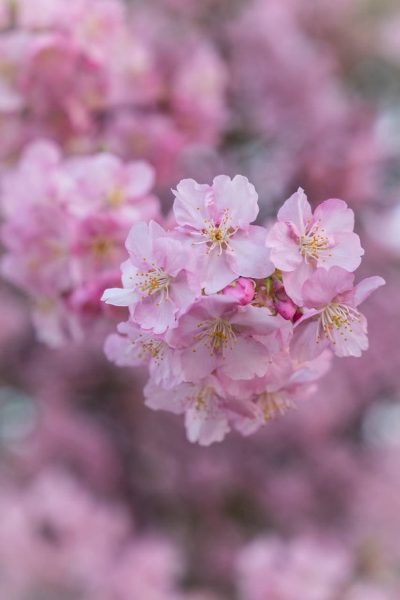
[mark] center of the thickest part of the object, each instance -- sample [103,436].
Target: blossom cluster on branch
[237,321]
[65,222]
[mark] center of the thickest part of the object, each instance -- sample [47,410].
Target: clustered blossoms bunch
[65,222]
[237,321]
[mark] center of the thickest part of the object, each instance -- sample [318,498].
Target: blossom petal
[365,288]
[218,274]
[335,216]
[323,286]
[346,253]
[198,362]
[306,345]
[151,313]
[351,343]
[119,297]
[159,398]
[296,210]
[238,196]
[245,359]
[190,203]
[294,281]
[139,243]
[285,250]
[250,256]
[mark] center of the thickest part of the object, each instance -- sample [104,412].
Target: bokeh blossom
[63,250]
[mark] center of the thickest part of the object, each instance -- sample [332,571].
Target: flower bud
[242,290]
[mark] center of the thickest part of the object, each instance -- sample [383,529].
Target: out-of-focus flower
[310,568]
[59,541]
[64,230]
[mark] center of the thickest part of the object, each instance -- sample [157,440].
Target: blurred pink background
[101,498]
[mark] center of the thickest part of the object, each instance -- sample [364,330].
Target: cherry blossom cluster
[90,74]
[238,321]
[65,222]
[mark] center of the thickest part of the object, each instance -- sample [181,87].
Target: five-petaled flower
[217,222]
[302,241]
[158,283]
[331,317]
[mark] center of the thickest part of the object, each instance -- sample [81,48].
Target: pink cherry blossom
[217,221]
[302,241]
[331,316]
[216,333]
[204,406]
[158,282]
[133,346]
[65,224]
[106,183]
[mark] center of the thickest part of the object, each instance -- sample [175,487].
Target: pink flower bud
[242,290]
[286,308]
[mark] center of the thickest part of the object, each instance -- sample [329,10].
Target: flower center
[337,317]
[201,399]
[154,281]
[217,236]
[102,247]
[152,348]
[314,243]
[116,197]
[273,405]
[217,334]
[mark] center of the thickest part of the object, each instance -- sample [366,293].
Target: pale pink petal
[238,196]
[250,256]
[120,350]
[296,210]
[285,250]
[294,281]
[256,320]
[129,272]
[157,315]
[245,359]
[140,178]
[353,342]
[170,255]
[190,203]
[365,287]
[139,243]
[335,216]
[159,398]
[312,370]
[119,297]
[166,369]
[346,253]
[205,429]
[306,345]
[181,294]
[217,273]
[198,362]
[323,286]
